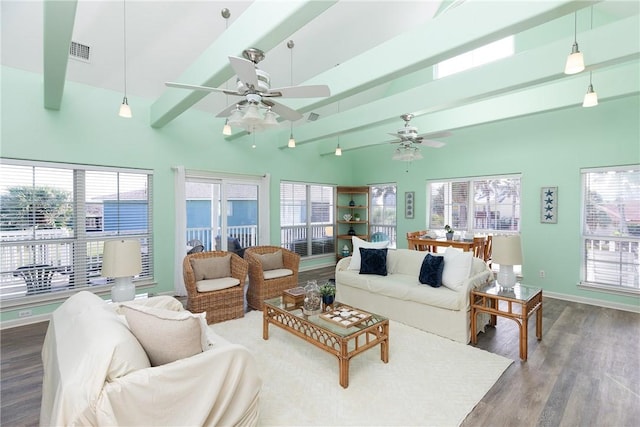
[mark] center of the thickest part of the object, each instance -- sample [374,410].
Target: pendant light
[125,110]
[226,129]
[575,60]
[338,149]
[591,97]
[290,45]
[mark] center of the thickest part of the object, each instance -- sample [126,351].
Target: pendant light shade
[125,110]
[591,97]
[226,129]
[575,60]
[338,150]
[292,141]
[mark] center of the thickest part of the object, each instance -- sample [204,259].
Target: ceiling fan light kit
[409,139]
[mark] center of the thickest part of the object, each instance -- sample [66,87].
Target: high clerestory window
[55,218]
[483,55]
[611,229]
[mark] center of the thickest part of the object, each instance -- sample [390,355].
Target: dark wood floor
[584,372]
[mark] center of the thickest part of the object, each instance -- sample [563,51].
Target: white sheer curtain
[180,202]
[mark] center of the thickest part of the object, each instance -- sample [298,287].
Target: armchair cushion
[279,272]
[211,268]
[167,335]
[216,284]
[271,261]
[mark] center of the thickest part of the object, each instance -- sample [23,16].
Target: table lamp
[121,261]
[506,252]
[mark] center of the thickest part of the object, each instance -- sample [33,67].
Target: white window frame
[610,244]
[325,228]
[470,226]
[388,229]
[81,237]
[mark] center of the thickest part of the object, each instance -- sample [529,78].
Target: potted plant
[328,292]
[449,232]
[356,216]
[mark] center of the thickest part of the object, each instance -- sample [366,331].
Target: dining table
[431,245]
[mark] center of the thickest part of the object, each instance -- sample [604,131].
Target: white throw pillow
[359,243]
[167,335]
[457,268]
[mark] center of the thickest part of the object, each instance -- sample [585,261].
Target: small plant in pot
[449,232]
[328,292]
[356,216]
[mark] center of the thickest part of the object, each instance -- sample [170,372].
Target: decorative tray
[345,316]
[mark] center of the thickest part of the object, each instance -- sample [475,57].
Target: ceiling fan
[408,135]
[253,85]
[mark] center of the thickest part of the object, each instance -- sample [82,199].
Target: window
[474,58]
[482,204]
[55,218]
[306,218]
[611,229]
[382,216]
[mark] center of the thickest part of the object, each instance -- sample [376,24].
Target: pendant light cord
[124,42]
[575,27]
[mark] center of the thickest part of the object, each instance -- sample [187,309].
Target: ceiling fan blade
[312,91]
[201,88]
[283,111]
[245,69]
[227,111]
[431,143]
[442,134]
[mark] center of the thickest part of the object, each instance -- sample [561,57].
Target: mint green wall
[87,130]
[548,150]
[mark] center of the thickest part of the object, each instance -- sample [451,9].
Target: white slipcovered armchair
[97,372]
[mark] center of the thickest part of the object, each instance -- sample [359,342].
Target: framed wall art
[409,204]
[549,205]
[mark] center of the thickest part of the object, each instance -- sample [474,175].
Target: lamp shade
[121,258]
[125,110]
[575,61]
[506,250]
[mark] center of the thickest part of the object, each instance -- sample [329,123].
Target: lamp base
[123,289]
[506,277]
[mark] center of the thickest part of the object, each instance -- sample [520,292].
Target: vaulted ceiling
[376,57]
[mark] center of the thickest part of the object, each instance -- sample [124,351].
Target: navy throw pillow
[431,271]
[373,261]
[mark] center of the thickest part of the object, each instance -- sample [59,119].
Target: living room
[536,128]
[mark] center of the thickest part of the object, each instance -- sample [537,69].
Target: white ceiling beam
[612,83]
[263,25]
[59,17]
[611,44]
[425,46]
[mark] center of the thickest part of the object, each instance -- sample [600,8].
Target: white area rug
[429,380]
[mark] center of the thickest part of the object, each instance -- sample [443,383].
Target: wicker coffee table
[344,342]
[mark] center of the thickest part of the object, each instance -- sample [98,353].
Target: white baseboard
[25,321]
[593,301]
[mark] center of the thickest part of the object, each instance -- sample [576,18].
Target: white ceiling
[343,46]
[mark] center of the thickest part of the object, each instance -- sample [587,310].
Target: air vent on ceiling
[313,117]
[79,51]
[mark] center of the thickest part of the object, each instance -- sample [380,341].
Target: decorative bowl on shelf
[347,217]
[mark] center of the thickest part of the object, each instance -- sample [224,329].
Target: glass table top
[519,292]
[318,321]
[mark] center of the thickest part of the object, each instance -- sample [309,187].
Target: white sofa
[400,296]
[96,372]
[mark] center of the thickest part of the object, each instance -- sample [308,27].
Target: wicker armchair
[222,304]
[260,288]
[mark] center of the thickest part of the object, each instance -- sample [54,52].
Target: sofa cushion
[431,270]
[359,243]
[167,335]
[216,284]
[272,261]
[211,268]
[373,261]
[457,268]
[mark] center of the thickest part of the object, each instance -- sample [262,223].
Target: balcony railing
[247,235]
